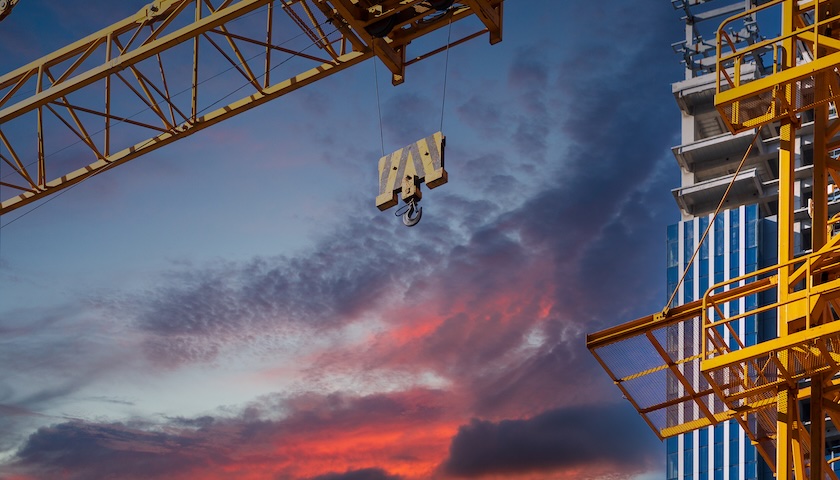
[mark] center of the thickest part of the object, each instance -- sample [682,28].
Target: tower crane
[689,366]
[148,80]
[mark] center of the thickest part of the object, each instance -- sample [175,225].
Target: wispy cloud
[415,353]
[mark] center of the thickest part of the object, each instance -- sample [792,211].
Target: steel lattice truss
[179,66]
[690,366]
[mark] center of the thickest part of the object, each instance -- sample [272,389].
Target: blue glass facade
[731,249]
[739,242]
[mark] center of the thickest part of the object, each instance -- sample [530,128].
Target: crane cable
[443,97]
[378,104]
[714,217]
[445,73]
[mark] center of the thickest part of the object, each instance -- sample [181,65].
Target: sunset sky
[235,306]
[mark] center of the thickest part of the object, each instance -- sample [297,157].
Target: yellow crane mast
[689,366]
[157,61]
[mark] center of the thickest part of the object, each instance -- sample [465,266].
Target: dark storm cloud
[208,447]
[77,450]
[363,474]
[619,121]
[555,440]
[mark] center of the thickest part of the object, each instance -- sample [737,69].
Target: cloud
[565,439]
[41,354]
[198,313]
[394,338]
[491,299]
[383,436]
[94,451]
[363,474]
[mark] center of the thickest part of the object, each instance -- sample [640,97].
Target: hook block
[422,159]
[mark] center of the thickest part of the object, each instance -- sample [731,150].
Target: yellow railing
[790,86]
[735,57]
[802,297]
[746,375]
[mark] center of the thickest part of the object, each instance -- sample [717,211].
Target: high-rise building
[742,238]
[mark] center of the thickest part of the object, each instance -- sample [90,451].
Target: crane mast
[148,80]
[689,366]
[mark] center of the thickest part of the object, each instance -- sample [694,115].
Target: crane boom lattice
[179,66]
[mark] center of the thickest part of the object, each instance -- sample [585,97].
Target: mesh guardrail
[658,370]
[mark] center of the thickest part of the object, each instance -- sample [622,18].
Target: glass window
[752,225]
[688,290]
[704,454]
[672,467]
[734,243]
[688,250]
[734,229]
[734,450]
[688,455]
[688,234]
[719,272]
[673,246]
[718,229]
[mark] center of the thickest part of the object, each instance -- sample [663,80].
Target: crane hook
[411,213]
[412,216]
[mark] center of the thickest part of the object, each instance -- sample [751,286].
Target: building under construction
[739,372]
[741,237]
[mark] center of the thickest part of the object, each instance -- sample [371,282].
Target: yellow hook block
[422,159]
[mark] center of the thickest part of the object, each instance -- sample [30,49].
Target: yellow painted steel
[422,160]
[760,386]
[128,61]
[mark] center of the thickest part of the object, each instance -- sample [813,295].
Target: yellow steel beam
[642,325]
[817,427]
[491,15]
[779,344]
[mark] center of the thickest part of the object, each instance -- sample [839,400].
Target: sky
[235,306]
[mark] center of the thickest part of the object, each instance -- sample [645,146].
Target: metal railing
[792,84]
